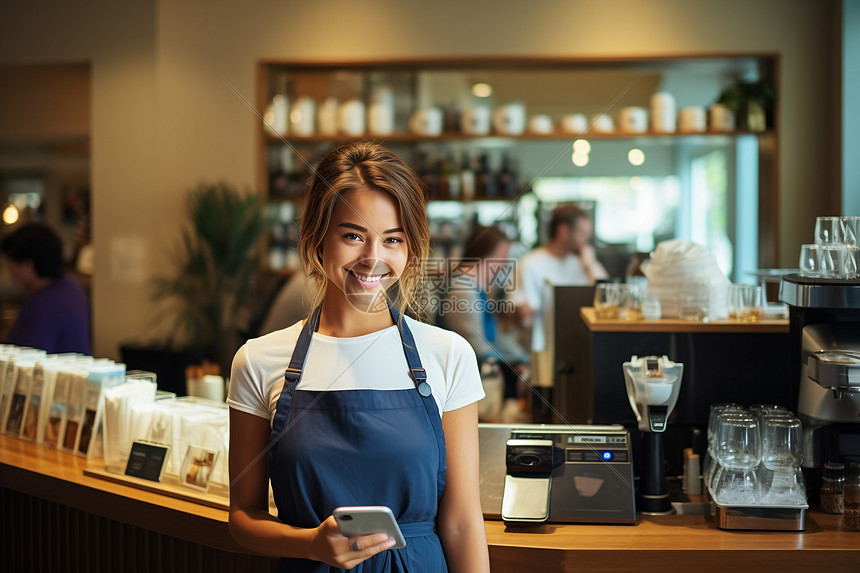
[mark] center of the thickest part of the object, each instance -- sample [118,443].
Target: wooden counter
[671,543]
[677,325]
[55,518]
[683,543]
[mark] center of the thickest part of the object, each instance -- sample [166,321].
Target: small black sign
[146,461]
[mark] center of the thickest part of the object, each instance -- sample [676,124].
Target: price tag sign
[146,461]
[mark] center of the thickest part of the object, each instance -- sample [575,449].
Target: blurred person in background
[55,314]
[568,258]
[471,311]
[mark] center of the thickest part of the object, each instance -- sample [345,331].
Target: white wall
[164,117]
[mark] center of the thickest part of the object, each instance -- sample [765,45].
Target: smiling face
[342,173]
[364,250]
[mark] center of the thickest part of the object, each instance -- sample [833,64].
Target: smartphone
[366,519]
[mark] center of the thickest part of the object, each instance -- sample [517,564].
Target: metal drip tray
[761,517]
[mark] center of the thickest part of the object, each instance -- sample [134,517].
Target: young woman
[359,404]
[470,312]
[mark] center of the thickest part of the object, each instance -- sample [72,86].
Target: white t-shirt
[374,361]
[536,270]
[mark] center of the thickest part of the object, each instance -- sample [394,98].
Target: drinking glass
[762,410]
[631,302]
[749,303]
[785,486]
[847,263]
[837,261]
[607,297]
[853,254]
[711,465]
[828,231]
[810,260]
[733,301]
[713,417]
[739,454]
[782,445]
[851,227]
[828,261]
[782,451]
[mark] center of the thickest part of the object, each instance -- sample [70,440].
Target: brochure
[121,424]
[30,424]
[74,409]
[197,467]
[97,377]
[10,382]
[20,393]
[59,406]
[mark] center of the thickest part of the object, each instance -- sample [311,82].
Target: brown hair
[39,244]
[366,165]
[564,215]
[482,242]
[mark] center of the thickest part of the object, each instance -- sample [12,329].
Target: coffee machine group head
[824,315]
[653,384]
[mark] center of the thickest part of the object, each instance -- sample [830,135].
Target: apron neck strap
[410,349]
[293,373]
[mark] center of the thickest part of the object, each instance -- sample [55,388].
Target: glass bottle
[507,178]
[851,493]
[452,177]
[485,181]
[467,178]
[832,500]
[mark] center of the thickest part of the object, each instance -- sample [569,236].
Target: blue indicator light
[607,456]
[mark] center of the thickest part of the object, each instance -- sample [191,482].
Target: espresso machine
[653,384]
[824,315]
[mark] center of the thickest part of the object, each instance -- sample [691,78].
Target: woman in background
[472,310]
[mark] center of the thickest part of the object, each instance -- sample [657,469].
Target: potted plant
[751,102]
[216,262]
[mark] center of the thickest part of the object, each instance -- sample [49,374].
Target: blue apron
[360,447]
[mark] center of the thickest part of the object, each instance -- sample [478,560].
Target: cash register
[539,473]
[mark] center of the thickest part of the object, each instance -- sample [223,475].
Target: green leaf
[215,262]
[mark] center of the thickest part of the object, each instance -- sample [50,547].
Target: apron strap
[293,373]
[419,376]
[416,370]
[418,529]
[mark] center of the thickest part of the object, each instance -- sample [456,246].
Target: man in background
[567,259]
[55,314]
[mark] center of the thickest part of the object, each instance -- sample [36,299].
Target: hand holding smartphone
[358,520]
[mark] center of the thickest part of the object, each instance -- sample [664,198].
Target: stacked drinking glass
[754,456]
[835,253]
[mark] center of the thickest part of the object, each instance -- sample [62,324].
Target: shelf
[454,136]
[555,87]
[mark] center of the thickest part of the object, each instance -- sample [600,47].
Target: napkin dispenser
[542,473]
